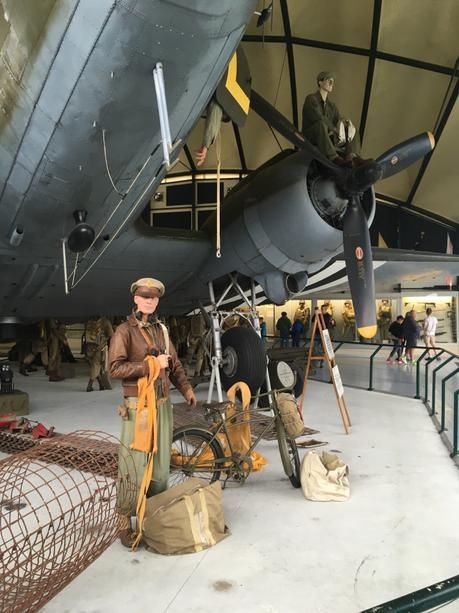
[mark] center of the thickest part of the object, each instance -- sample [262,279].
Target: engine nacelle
[281,224]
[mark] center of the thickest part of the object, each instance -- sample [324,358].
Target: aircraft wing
[36,289]
[394,269]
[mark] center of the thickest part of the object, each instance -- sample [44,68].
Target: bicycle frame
[224,425]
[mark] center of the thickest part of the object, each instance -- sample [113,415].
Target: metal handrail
[439,351]
[434,380]
[426,374]
[455,423]
[370,385]
[425,599]
[443,397]
[418,373]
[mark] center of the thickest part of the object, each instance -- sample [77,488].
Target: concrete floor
[397,533]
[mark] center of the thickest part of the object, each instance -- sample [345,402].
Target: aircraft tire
[281,375]
[289,455]
[299,380]
[245,358]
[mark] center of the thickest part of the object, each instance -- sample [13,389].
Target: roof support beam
[438,132]
[371,66]
[189,157]
[291,60]
[380,55]
[413,210]
[240,149]
[194,204]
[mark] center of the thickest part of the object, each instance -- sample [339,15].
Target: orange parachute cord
[145,435]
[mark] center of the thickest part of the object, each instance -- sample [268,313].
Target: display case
[443,308]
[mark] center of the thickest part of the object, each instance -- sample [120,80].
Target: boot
[23,370]
[31,369]
[89,388]
[55,376]
[127,535]
[104,383]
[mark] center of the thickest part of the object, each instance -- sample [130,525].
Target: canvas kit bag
[324,477]
[185,519]
[290,414]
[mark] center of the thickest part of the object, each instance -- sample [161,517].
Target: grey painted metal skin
[89,68]
[86,70]
[273,232]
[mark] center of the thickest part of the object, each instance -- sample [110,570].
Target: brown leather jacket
[126,356]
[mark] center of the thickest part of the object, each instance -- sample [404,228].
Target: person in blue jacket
[297,332]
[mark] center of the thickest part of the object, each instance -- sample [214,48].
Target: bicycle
[208,453]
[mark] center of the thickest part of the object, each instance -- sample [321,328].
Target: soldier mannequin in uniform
[127,353]
[324,127]
[38,345]
[172,324]
[97,334]
[348,320]
[384,318]
[196,345]
[303,313]
[56,336]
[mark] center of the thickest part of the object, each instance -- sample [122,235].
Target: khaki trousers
[54,354]
[317,134]
[132,463]
[96,359]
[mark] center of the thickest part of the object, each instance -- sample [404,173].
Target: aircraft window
[178,221]
[207,192]
[178,195]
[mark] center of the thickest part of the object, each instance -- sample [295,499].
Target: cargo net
[62,503]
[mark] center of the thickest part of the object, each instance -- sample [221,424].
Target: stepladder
[320,331]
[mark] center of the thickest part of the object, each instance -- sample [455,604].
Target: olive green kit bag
[185,519]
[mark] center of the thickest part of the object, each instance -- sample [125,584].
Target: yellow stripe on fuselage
[234,88]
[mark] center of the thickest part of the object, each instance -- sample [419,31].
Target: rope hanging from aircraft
[218,251]
[107,167]
[168,149]
[123,197]
[112,238]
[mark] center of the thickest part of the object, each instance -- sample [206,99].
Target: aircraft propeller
[352,182]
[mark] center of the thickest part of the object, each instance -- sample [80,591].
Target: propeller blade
[359,267]
[276,120]
[403,155]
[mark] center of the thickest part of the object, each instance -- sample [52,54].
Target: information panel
[337,379]
[328,344]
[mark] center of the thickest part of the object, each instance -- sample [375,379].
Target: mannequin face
[327,85]
[146,305]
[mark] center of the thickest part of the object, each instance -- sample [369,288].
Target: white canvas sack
[324,477]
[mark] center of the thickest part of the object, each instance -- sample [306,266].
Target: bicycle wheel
[194,454]
[289,455]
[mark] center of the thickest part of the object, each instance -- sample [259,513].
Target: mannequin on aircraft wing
[324,127]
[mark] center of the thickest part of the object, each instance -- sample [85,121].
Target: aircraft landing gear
[237,354]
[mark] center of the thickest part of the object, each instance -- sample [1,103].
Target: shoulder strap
[149,341]
[146,337]
[166,336]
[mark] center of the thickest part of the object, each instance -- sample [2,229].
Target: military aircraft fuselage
[80,130]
